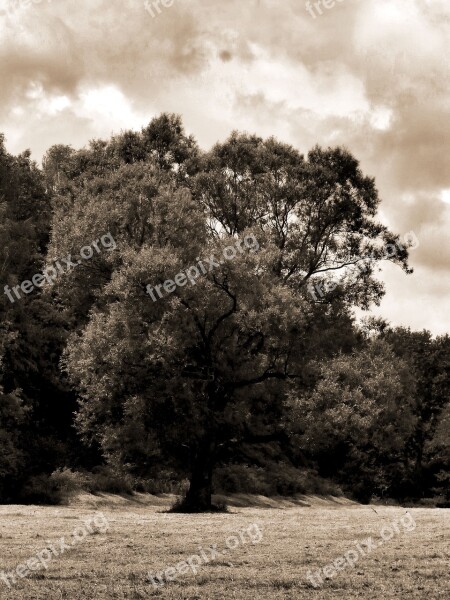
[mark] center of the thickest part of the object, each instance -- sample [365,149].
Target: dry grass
[142,539]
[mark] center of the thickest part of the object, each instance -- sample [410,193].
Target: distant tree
[429,360]
[357,420]
[437,453]
[35,405]
[13,415]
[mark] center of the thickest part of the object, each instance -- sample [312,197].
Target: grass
[142,538]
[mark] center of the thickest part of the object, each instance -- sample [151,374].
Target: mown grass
[142,539]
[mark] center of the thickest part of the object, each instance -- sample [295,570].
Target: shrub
[40,489]
[70,482]
[162,485]
[53,489]
[275,479]
[108,480]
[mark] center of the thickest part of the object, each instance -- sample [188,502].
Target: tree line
[242,369]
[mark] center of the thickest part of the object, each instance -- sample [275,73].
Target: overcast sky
[372,75]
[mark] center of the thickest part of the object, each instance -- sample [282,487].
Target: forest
[248,371]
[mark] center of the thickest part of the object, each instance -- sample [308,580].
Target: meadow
[297,537]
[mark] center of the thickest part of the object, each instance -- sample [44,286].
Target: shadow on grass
[181,506]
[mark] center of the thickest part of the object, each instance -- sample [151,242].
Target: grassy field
[141,540]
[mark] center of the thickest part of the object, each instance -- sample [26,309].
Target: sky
[371,75]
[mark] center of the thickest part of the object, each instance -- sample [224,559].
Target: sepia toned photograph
[224,299]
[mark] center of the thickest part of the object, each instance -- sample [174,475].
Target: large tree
[180,378]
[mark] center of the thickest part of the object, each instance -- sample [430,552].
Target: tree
[437,452]
[357,420]
[429,360]
[35,405]
[13,415]
[186,375]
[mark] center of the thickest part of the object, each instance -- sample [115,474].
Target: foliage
[288,370]
[272,480]
[245,321]
[357,419]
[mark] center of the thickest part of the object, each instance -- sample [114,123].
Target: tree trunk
[199,496]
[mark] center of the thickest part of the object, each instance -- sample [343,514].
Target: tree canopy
[220,317]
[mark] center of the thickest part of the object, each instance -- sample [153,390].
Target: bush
[277,479]
[162,485]
[233,479]
[53,489]
[69,482]
[40,489]
[63,484]
[112,481]
[274,479]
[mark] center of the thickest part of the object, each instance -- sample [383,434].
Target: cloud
[368,74]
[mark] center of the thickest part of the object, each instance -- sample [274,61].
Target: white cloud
[381,118]
[445,196]
[108,108]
